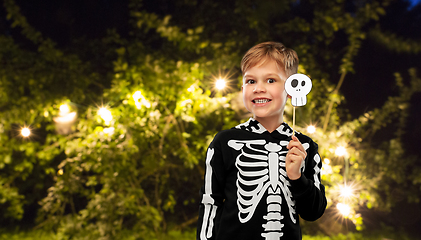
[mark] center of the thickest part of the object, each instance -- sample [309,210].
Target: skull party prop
[298,86]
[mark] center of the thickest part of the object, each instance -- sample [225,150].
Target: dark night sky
[66,20]
[414,2]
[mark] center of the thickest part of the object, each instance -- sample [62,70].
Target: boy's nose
[259,87]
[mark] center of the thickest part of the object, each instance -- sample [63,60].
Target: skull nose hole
[294,83]
[303,83]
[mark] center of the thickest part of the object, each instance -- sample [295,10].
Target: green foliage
[395,43]
[12,200]
[191,234]
[386,158]
[355,236]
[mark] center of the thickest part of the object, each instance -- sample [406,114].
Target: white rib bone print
[260,170]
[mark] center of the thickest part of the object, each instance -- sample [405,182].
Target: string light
[65,116]
[340,151]
[105,114]
[344,209]
[65,119]
[346,191]
[220,84]
[64,109]
[311,129]
[222,79]
[25,132]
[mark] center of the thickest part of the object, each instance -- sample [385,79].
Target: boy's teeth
[261,100]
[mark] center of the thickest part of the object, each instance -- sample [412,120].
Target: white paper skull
[298,86]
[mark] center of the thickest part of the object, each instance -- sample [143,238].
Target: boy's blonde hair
[262,52]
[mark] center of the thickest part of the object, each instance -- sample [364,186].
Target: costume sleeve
[212,193]
[308,192]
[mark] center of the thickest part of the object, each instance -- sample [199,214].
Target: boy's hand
[294,159]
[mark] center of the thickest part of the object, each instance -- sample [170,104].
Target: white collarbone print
[260,169]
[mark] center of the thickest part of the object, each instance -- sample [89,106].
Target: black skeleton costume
[247,194]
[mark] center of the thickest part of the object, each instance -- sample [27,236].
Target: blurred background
[107,108]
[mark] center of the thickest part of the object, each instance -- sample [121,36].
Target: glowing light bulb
[344,209]
[220,84]
[346,191]
[311,129]
[64,109]
[105,114]
[340,151]
[25,132]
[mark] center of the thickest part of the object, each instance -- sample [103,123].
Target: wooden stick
[293,122]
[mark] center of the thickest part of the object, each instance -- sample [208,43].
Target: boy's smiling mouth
[261,100]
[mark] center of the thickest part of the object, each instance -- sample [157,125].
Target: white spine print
[274,217]
[258,171]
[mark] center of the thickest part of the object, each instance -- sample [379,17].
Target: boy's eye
[271,80]
[250,81]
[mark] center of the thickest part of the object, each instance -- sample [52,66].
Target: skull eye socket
[303,83]
[294,83]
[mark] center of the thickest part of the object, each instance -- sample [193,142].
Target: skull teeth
[261,100]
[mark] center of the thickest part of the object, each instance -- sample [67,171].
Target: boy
[259,177]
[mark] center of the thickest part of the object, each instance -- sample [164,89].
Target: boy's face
[264,92]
